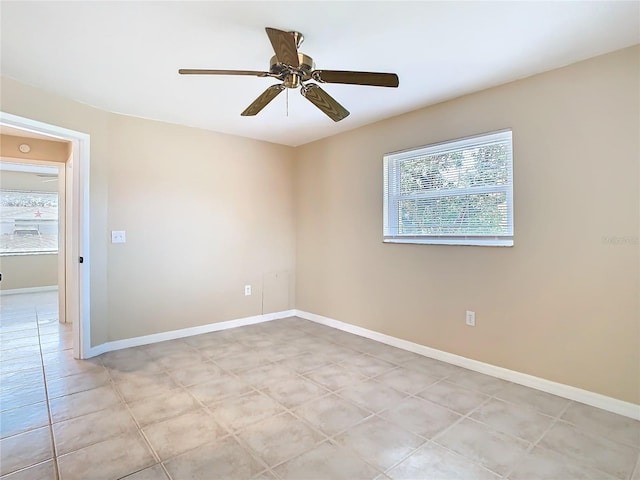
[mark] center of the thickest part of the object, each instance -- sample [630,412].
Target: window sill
[473,242]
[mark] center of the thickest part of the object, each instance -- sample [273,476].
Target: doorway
[73,258]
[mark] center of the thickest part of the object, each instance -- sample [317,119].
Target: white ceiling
[123,56]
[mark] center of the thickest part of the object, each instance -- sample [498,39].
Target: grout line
[56,468]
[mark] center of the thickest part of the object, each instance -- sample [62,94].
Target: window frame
[392,195]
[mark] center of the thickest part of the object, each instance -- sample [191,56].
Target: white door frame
[77,275]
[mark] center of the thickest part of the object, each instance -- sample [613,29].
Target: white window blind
[458,192]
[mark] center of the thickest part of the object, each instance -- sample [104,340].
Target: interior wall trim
[14,291]
[185,332]
[598,400]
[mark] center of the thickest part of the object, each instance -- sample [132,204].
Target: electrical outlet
[118,236]
[471,318]
[247,290]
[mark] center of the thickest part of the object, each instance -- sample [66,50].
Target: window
[457,193]
[28,222]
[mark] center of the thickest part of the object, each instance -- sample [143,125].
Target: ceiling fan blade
[285,46]
[191,71]
[262,101]
[324,102]
[375,79]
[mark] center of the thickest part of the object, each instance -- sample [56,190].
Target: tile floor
[287,399]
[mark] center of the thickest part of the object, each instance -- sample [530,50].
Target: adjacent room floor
[287,399]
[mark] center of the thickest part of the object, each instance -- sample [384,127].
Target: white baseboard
[15,291]
[184,332]
[610,404]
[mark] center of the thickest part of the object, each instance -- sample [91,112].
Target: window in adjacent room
[28,222]
[458,192]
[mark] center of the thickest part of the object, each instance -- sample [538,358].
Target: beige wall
[205,214]
[27,271]
[562,304]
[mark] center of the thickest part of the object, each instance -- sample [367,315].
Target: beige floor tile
[20,397]
[305,362]
[265,375]
[164,349]
[421,417]
[368,366]
[221,460]
[453,397]
[201,372]
[82,403]
[599,422]
[152,473]
[240,362]
[542,464]
[161,407]
[293,391]
[372,395]
[218,389]
[434,462]
[326,461]
[543,402]
[22,379]
[517,420]
[96,427]
[239,412]
[25,362]
[392,354]
[331,414]
[182,433]
[636,472]
[42,471]
[224,350]
[204,340]
[23,419]
[334,377]
[25,449]
[59,387]
[494,450]
[280,438]
[406,380]
[72,367]
[613,458]
[266,475]
[137,387]
[31,351]
[129,360]
[19,342]
[434,368]
[28,330]
[107,460]
[379,442]
[180,359]
[477,381]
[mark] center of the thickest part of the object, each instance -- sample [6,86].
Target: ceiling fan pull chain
[287,102]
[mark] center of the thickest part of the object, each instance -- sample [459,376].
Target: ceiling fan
[295,69]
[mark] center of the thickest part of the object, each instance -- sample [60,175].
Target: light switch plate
[118,236]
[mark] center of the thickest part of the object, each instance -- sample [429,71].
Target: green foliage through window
[459,192]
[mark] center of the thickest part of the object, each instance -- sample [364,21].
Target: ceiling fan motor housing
[292,76]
